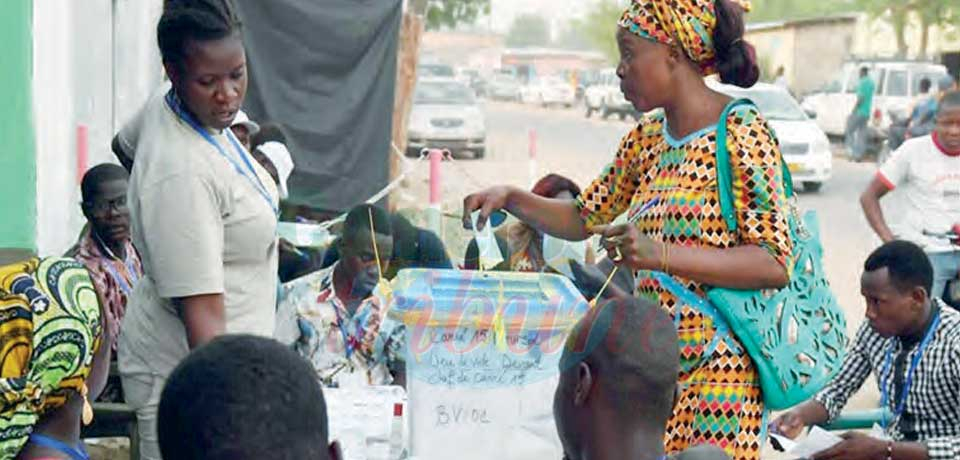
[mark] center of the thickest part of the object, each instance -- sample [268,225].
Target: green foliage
[450,13]
[782,10]
[599,28]
[528,30]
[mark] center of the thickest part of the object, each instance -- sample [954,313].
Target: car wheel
[604,110]
[812,187]
[589,111]
[622,115]
[478,154]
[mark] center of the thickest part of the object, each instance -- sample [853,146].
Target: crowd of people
[180,277]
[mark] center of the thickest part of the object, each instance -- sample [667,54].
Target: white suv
[898,85]
[605,97]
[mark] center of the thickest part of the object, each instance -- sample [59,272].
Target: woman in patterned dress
[667,168]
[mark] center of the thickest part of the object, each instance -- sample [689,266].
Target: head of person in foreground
[243,397]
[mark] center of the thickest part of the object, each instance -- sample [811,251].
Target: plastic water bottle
[396,432]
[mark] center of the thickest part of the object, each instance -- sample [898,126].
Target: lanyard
[128,262]
[75,453]
[350,342]
[901,401]
[252,177]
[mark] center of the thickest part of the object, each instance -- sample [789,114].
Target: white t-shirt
[929,180]
[201,228]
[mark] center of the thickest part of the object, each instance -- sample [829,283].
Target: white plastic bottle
[396,432]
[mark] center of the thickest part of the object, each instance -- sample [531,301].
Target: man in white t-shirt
[926,170]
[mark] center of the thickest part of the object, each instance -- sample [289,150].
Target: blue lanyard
[253,177]
[121,281]
[75,453]
[347,345]
[131,270]
[901,401]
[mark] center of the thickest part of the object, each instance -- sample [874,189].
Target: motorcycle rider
[927,170]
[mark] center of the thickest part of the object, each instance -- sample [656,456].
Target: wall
[775,48]
[94,65]
[822,50]
[17,164]
[53,106]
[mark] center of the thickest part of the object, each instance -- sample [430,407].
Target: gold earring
[87,408]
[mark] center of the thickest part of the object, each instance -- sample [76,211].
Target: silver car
[446,115]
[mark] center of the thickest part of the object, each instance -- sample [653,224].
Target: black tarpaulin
[326,70]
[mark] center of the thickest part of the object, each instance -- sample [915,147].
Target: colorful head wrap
[49,331]
[686,23]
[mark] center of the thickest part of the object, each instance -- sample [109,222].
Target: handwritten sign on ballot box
[482,360]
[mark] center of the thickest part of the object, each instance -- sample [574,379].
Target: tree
[931,13]
[599,27]
[450,13]
[528,30]
[782,10]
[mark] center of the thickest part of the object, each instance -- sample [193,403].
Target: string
[593,303]
[373,237]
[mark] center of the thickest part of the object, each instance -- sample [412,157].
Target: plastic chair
[859,420]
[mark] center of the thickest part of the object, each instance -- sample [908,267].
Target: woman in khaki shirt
[203,212]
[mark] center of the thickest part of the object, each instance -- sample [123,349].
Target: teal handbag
[796,335]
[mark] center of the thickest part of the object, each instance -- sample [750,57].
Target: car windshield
[446,93]
[773,104]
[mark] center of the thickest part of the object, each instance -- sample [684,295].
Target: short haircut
[951,100]
[908,266]
[269,132]
[552,184]
[925,85]
[183,21]
[97,175]
[358,219]
[243,397]
[632,345]
[864,71]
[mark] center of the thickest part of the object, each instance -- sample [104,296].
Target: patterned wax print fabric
[345,350]
[720,401]
[688,24]
[114,278]
[50,329]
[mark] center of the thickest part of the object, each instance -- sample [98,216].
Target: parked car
[503,87]
[435,71]
[445,115]
[898,85]
[606,98]
[548,91]
[804,145]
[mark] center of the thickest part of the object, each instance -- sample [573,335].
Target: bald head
[619,369]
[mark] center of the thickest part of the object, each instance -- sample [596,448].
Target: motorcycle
[950,295]
[896,135]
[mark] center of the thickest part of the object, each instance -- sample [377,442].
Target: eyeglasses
[104,206]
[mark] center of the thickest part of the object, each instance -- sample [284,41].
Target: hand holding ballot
[627,246]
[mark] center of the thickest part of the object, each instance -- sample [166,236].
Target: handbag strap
[725,176]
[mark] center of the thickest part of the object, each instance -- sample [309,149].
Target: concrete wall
[819,53]
[775,48]
[94,64]
[17,165]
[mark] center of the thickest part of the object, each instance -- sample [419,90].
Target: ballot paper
[816,441]
[489,250]
[558,254]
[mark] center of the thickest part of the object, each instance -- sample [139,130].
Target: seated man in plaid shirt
[911,344]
